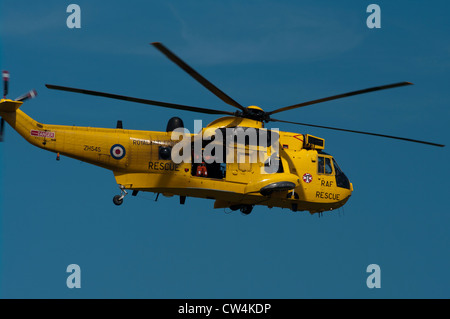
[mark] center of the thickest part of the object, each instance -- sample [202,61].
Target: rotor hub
[256,113]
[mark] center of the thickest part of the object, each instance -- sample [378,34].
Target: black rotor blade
[211,87]
[29,95]
[361,132]
[137,100]
[334,97]
[5,76]
[2,128]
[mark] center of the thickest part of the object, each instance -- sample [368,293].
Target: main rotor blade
[334,97]
[137,100]
[360,132]
[211,87]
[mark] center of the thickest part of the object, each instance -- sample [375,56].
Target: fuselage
[138,163]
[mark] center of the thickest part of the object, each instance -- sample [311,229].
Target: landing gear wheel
[118,200]
[246,209]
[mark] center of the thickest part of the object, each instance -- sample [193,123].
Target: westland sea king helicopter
[305,178]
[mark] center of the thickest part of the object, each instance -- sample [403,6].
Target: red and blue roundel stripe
[117,151]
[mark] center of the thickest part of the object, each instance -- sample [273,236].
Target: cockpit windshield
[341,179]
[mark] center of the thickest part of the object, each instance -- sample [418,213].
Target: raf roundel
[117,151]
[307,178]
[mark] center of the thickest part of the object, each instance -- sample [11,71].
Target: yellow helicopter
[233,160]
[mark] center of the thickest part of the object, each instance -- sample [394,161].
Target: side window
[324,165]
[328,167]
[273,165]
[320,165]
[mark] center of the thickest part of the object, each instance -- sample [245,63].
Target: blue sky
[264,53]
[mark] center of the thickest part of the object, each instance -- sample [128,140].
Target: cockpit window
[328,167]
[324,165]
[321,169]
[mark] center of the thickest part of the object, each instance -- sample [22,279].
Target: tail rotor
[5,75]
[29,95]
[2,128]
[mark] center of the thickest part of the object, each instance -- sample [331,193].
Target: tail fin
[8,108]
[7,105]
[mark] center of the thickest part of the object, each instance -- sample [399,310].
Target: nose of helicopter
[343,183]
[350,190]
